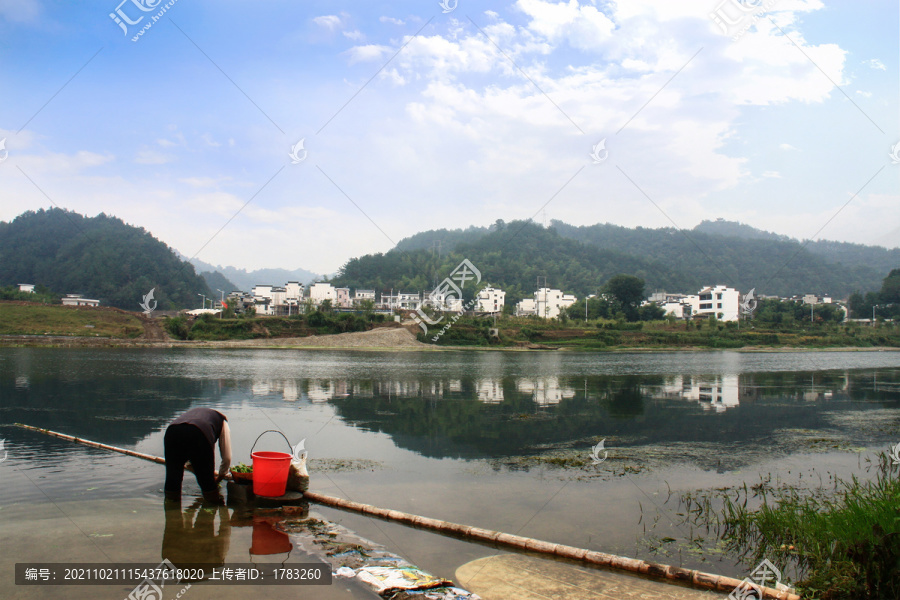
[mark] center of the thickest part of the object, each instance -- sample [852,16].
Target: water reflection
[191,535]
[470,405]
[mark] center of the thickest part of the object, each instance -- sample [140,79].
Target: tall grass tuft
[843,543]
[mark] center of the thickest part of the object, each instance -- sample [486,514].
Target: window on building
[706,306]
[719,305]
[706,296]
[718,296]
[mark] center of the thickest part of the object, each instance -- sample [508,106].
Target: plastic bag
[298,475]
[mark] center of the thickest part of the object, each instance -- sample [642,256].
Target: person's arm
[225,450]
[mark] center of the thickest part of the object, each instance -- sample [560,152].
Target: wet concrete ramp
[520,577]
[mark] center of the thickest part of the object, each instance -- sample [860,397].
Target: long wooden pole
[696,578]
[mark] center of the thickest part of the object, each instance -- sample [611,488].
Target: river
[501,440]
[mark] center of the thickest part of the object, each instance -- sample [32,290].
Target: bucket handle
[272,431]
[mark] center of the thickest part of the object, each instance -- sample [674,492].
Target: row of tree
[884,304]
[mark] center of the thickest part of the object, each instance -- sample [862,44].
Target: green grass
[843,543]
[610,335]
[37,319]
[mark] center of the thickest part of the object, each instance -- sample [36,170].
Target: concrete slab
[524,577]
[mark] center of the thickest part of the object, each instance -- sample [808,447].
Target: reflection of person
[191,538]
[191,437]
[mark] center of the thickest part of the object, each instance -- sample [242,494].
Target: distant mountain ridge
[243,280]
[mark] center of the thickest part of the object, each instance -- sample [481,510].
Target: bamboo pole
[695,578]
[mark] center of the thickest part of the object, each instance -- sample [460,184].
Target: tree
[626,293]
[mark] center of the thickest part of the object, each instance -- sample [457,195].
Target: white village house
[490,301]
[77,300]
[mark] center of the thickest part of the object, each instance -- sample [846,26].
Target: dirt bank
[394,338]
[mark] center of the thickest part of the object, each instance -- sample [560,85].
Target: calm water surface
[472,437]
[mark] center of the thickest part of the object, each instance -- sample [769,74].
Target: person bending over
[191,437]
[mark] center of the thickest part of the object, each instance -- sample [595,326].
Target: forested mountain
[511,256]
[714,252]
[100,257]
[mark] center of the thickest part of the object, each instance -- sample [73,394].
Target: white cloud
[367,53]
[874,63]
[772,174]
[356,35]
[787,147]
[392,20]
[330,22]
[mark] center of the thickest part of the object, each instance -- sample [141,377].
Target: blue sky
[489,111]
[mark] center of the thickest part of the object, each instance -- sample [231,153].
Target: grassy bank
[612,335]
[837,541]
[25,318]
[210,328]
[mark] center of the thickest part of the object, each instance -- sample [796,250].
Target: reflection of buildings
[544,390]
[489,391]
[717,392]
[721,392]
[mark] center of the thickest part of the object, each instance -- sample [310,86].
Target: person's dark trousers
[184,442]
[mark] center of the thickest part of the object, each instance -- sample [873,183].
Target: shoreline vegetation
[36,324]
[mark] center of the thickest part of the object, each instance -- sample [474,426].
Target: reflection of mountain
[515,415]
[118,410]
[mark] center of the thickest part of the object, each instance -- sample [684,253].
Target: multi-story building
[548,302]
[490,300]
[342,298]
[321,291]
[362,295]
[525,307]
[720,302]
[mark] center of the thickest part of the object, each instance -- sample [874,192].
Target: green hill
[99,257]
[511,256]
[714,252]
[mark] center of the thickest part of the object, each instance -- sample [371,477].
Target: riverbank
[36,325]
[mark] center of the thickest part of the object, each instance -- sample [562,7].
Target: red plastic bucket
[270,473]
[268,540]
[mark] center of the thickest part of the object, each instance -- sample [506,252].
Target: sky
[299,135]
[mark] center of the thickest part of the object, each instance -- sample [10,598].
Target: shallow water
[470,437]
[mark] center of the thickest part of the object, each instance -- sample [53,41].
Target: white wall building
[26,287]
[361,295]
[719,301]
[525,307]
[321,291]
[77,300]
[490,300]
[548,302]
